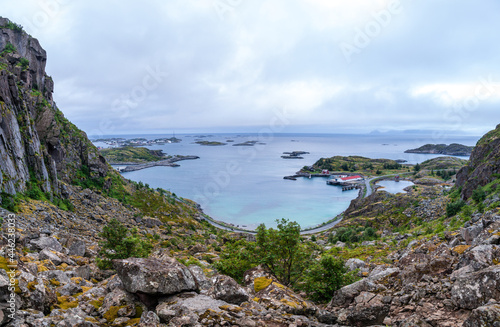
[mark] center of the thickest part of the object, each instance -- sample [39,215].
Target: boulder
[149,319]
[198,274]
[369,310]
[116,304]
[347,294]
[48,254]
[486,315]
[185,303]
[154,277]
[77,248]
[46,243]
[227,289]
[475,289]
[279,297]
[353,264]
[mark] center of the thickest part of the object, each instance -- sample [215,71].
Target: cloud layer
[231,65]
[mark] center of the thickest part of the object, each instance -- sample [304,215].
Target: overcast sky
[159,66]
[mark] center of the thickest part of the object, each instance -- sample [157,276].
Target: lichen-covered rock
[202,280]
[347,294]
[155,277]
[488,315]
[49,243]
[369,309]
[475,289]
[227,289]
[116,304]
[279,297]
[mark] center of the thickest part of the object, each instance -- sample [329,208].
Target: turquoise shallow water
[245,185]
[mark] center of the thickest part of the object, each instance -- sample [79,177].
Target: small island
[453,149]
[210,143]
[247,143]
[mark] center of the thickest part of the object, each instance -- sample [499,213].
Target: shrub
[9,48]
[325,277]
[24,63]
[453,208]
[120,243]
[479,195]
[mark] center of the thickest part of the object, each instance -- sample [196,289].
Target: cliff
[484,164]
[37,143]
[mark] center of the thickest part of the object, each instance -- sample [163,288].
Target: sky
[309,66]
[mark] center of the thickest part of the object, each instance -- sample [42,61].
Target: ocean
[244,185]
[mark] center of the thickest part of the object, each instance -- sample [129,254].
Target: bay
[244,185]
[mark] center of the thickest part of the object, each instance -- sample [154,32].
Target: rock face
[484,162]
[36,141]
[155,277]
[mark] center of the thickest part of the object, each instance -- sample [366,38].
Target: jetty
[171,162]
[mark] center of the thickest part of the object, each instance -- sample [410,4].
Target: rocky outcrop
[37,143]
[484,163]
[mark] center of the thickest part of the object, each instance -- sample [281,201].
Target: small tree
[417,167]
[120,243]
[325,277]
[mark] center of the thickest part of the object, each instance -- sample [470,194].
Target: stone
[154,277]
[486,315]
[77,248]
[279,297]
[50,255]
[227,289]
[118,298]
[475,289]
[83,272]
[198,274]
[353,264]
[369,310]
[149,319]
[46,243]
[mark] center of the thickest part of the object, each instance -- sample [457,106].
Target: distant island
[453,149]
[210,143]
[122,142]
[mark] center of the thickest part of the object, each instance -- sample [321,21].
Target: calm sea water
[245,185]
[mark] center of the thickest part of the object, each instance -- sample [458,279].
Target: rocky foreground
[451,282]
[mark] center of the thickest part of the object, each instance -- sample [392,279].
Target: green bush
[9,202]
[325,277]
[9,48]
[13,26]
[479,195]
[453,208]
[24,63]
[118,242]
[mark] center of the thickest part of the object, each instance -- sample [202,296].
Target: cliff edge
[483,166]
[37,143]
